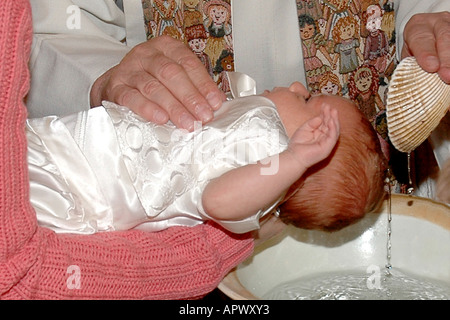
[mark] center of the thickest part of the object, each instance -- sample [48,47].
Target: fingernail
[204,113]
[187,121]
[433,62]
[160,117]
[445,74]
[215,100]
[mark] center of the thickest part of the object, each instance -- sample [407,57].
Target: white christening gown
[107,169]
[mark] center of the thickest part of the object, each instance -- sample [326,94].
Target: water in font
[391,284]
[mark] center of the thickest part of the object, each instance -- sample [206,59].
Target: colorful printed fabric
[205,25]
[349,50]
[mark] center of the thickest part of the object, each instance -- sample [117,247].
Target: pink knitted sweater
[36,263]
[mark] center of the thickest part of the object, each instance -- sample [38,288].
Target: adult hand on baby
[315,139]
[427,37]
[161,79]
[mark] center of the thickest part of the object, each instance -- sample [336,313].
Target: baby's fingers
[334,123]
[330,123]
[330,130]
[315,123]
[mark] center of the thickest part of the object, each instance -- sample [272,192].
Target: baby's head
[349,183]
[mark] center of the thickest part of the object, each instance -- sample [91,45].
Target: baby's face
[296,106]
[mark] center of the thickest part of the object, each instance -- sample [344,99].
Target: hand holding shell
[416,103]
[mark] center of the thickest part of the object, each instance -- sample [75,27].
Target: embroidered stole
[204,25]
[349,50]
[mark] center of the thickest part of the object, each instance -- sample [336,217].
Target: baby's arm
[243,191]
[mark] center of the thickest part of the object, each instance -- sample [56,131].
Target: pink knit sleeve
[35,262]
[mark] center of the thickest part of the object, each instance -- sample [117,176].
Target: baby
[316,161]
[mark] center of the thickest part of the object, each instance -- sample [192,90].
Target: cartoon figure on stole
[192,14]
[168,18]
[313,41]
[218,25]
[376,51]
[330,84]
[346,37]
[196,38]
[225,64]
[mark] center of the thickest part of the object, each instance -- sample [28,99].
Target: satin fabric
[108,169]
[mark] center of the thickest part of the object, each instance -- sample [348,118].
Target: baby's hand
[315,139]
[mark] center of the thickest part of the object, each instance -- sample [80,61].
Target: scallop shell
[416,103]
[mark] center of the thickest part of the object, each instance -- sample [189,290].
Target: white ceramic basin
[420,245]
